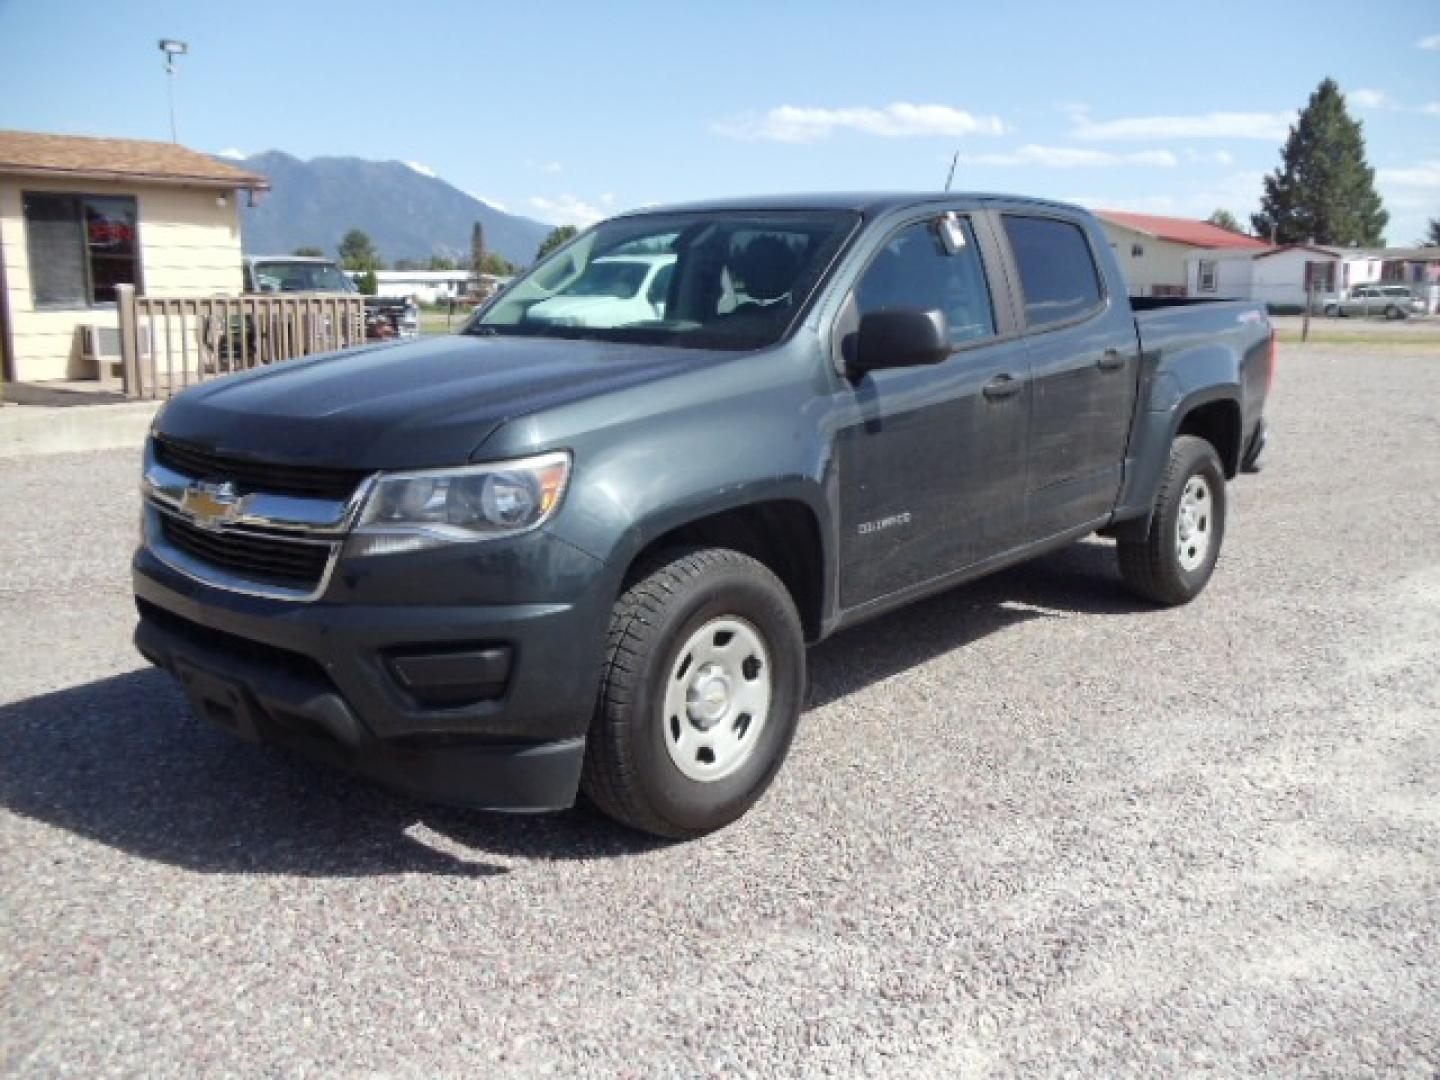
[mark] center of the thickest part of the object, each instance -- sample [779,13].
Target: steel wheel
[717,699]
[1192,531]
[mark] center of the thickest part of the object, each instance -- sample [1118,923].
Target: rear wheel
[1173,562]
[1393,312]
[700,697]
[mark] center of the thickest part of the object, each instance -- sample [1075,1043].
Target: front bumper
[366,682]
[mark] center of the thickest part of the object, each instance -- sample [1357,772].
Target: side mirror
[904,337]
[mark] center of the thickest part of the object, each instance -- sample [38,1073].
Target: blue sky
[566,112]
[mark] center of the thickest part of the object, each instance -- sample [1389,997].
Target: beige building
[1153,251]
[79,216]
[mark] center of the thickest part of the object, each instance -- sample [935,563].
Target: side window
[1057,271]
[660,287]
[913,270]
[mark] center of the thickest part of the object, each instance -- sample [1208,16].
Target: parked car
[497,567]
[1370,301]
[616,290]
[385,316]
[295,273]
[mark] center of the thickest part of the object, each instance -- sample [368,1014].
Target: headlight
[415,510]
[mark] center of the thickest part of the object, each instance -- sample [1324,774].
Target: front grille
[272,560]
[249,476]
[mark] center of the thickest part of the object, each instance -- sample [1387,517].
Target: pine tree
[1323,192]
[477,253]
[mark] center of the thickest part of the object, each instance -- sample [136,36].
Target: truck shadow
[1081,579]
[121,761]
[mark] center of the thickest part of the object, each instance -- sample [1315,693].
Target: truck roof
[868,203]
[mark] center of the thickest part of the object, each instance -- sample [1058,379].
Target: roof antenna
[951,176]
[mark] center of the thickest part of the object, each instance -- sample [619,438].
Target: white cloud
[1219,157]
[1369,99]
[1432,42]
[1432,109]
[423,170]
[1072,157]
[1239,192]
[493,203]
[552,167]
[567,210]
[231,153]
[1424,175]
[1271,127]
[794,124]
[1153,204]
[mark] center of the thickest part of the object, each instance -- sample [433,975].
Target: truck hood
[420,404]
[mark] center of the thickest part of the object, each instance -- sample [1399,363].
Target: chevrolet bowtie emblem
[212,505]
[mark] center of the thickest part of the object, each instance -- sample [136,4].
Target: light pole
[172,48]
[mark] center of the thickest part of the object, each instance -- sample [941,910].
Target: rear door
[932,459]
[1084,365]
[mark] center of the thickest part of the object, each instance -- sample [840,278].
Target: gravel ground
[1027,827]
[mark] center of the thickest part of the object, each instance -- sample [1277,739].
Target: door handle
[1111,360]
[1002,386]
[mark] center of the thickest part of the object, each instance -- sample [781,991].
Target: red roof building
[1152,250]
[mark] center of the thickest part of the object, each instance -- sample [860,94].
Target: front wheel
[1393,312]
[1173,562]
[700,696]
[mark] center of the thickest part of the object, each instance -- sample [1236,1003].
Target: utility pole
[951,176]
[172,48]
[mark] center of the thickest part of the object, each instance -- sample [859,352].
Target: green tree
[367,283]
[1324,191]
[309,251]
[497,265]
[357,252]
[477,252]
[409,264]
[441,262]
[1432,234]
[562,235]
[1223,219]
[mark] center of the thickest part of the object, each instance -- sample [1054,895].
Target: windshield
[278,276]
[723,279]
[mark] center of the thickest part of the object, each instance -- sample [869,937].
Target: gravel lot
[1027,827]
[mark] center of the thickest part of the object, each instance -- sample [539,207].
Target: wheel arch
[781,530]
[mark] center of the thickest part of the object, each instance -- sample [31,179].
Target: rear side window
[1057,271]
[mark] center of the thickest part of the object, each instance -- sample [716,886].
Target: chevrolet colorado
[541,556]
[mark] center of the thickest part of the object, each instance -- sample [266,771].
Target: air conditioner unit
[100,352]
[102,343]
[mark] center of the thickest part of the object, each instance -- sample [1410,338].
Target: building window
[1136,250]
[1205,276]
[80,247]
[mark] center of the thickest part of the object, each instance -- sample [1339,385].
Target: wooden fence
[169,343]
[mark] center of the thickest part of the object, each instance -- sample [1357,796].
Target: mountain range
[407,211]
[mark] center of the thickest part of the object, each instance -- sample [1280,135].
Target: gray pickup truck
[547,555]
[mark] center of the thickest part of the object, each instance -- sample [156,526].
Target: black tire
[1152,567]
[1330,311]
[629,770]
[1393,312]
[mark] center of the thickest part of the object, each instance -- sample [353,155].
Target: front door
[1084,368]
[932,459]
